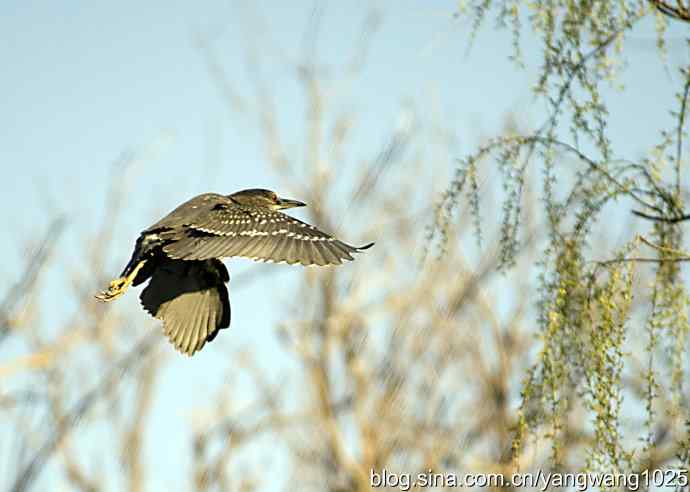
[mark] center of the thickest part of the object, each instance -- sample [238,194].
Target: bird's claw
[116,289]
[118,286]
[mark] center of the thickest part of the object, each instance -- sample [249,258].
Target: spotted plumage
[180,253]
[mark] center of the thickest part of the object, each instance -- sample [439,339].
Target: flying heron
[180,254]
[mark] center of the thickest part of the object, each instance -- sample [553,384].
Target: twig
[31,273]
[681,256]
[643,260]
[662,249]
[681,124]
[679,12]
[656,218]
[30,472]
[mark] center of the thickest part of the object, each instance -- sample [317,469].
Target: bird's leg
[119,285]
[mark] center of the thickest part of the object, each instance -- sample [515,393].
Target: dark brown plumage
[191,299]
[179,254]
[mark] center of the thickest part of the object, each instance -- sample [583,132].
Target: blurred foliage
[586,311]
[407,360]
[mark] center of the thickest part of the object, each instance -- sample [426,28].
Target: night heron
[180,254]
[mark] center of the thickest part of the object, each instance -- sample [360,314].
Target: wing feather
[191,299]
[200,321]
[189,318]
[289,252]
[343,250]
[329,254]
[266,236]
[299,251]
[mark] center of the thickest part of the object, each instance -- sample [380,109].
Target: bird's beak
[287,203]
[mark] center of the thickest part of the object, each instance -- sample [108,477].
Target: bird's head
[265,199]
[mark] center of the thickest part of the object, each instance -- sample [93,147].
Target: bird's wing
[190,211]
[260,235]
[191,299]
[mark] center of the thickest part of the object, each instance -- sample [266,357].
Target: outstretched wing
[229,230]
[191,299]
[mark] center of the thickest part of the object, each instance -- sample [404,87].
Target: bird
[180,256]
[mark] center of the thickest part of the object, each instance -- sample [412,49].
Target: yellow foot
[116,289]
[119,285]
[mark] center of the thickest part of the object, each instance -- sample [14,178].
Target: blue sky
[84,82]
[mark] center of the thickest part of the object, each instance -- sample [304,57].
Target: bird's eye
[274,197]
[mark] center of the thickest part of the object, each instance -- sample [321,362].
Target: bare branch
[28,474]
[28,279]
[679,11]
[656,218]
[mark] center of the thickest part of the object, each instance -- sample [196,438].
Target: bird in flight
[180,256]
